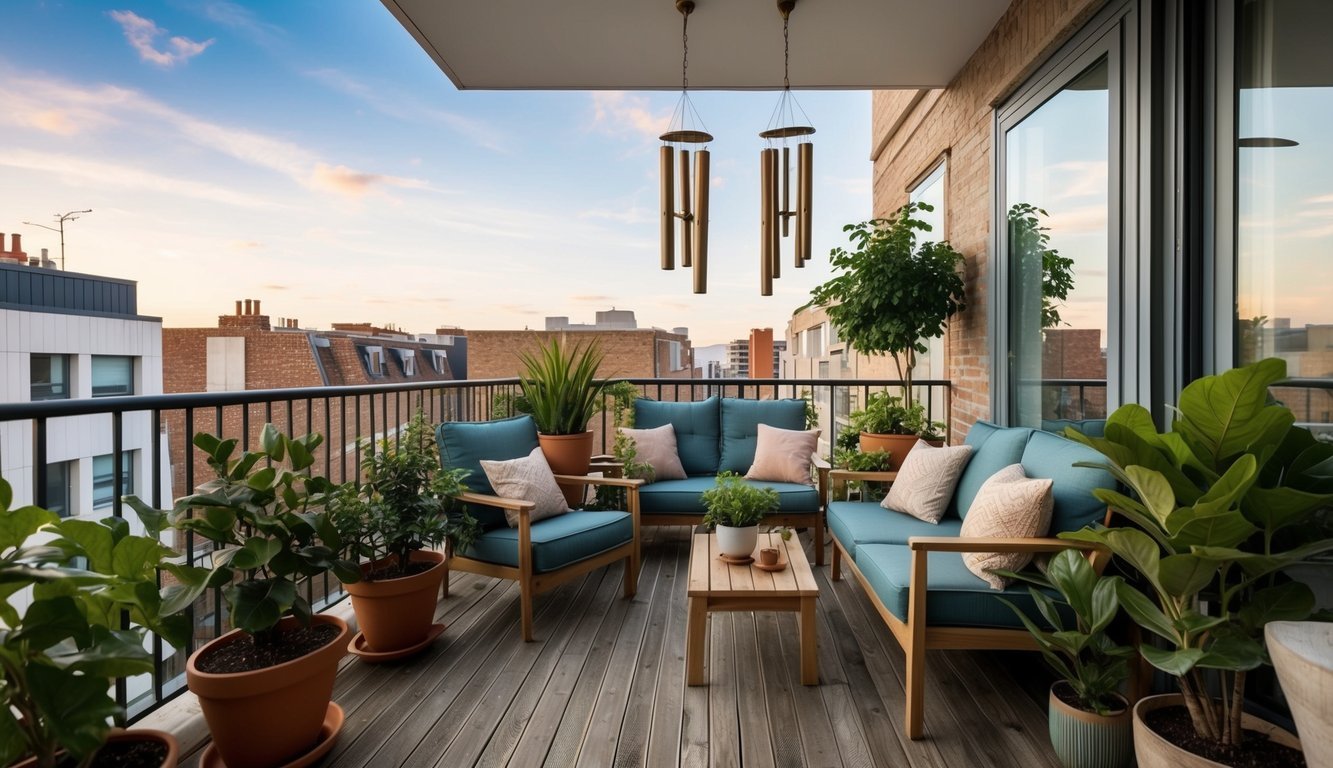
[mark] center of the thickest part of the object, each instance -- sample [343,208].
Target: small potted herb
[735,507]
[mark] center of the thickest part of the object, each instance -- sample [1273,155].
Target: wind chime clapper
[693,216]
[775,177]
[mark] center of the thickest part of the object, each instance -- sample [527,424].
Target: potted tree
[734,508]
[559,389]
[265,688]
[1089,719]
[887,425]
[890,294]
[60,656]
[1211,500]
[405,507]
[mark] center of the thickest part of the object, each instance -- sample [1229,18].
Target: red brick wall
[911,130]
[627,353]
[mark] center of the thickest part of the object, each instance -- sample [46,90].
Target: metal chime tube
[775,213]
[701,221]
[766,222]
[786,190]
[668,210]
[805,158]
[685,221]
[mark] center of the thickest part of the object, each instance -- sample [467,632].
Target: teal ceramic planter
[1088,740]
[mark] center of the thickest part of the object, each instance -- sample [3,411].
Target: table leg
[695,630]
[809,648]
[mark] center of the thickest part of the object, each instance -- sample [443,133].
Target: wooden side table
[717,586]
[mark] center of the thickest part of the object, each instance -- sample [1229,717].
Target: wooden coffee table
[717,586]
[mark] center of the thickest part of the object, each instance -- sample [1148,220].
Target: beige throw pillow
[656,447]
[1008,505]
[783,455]
[530,479]
[926,480]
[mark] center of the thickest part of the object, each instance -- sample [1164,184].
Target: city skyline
[311,156]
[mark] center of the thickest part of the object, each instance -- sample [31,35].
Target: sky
[310,155]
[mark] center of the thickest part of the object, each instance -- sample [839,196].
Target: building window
[931,190]
[440,360]
[814,341]
[823,369]
[373,359]
[407,361]
[50,377]
[113,375]
[104,478]
[58,477]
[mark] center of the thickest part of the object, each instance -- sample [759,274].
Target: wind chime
[775,176]
[685,130]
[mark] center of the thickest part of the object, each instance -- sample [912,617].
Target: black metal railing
[345,416]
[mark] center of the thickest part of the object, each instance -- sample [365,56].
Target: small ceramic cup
[768,556]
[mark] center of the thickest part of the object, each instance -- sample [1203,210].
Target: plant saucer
[729,560]
[780,565]
[358,647]
[328,736]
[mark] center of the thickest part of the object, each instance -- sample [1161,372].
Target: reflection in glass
[1284,196]
[930,364]
[1057,198]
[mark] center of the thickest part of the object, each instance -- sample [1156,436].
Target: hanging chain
[685,51]
[786,54]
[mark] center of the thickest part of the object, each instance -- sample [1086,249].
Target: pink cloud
[142,33]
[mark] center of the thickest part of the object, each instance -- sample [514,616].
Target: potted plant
[60,656]
[890,294]
[862,461]
[560,391]
[1210,499]
[888,424]
[405,507]
[265,688]
[1089,719]
[735,507]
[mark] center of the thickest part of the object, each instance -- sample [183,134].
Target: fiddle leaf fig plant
[1209,499]
[61,654]
[273,528]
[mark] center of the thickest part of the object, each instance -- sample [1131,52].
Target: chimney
[247,307]
[257,306]
[18,248]
[238,307]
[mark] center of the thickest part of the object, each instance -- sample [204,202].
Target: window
[931,190]
[113,375]
[50,377]
[407,361]
[104,478]
[373,359]
[814,341]
[57,488]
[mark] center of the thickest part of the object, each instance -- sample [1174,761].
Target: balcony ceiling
[734,44]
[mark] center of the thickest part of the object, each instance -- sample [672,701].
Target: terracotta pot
[1302,653]
[1153,751]
[568,455]
[273,715]
[138,734]
[1089,740]
[898,446]
[768,556]
[397,613]
[737,542]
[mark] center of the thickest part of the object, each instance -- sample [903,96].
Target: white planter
[737,542]
[1302,653]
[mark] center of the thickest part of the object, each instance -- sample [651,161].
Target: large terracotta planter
[1089,740]
[898,446]
[1302,653]
[394,614]
[1153,751]
[568,455]
[269,716]
[138,734]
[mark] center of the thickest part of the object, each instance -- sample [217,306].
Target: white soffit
[734,44]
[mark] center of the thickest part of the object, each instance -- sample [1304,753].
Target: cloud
[275,287]
[241,19]
[346,181]
[141,33]
[617,113]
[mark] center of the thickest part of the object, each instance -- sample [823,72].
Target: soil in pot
[130,754]
[1255,751]
[244,656]
[392,570]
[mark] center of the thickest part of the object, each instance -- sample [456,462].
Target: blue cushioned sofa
[892,554]
[719,435]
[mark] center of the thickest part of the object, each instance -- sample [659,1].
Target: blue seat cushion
[464,444]
[1052,456]
[557,541]
[993,449]
[1089,427]
[956,597]
[740,427]
[866,522]
[697,426]
[682,497]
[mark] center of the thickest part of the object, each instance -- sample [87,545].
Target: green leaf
[1104,604]
[256,553]
[263,479]
[1185,575]
[6,495]
[50,620]
[1233,652]
[301,457]
[1154,491]
[12,744]
[1144,612]
[137,557]
[272,442]
[258,605]
[1276,508]
[1292,601]
[1227,529]
[75,707]
[118,653]
[94,539]
[1225,415]
[1073,577]
[17,525]
[1173,662]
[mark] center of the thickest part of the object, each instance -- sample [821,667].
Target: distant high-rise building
[738,359]
[763,364]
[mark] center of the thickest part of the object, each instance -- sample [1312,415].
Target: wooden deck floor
[603,685]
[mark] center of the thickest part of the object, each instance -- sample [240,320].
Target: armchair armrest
[619,482]
[848,474]
[819,462]
[982,544]
[517,505]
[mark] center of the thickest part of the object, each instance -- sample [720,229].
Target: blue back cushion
[697,430]
[1089,427]
[1053,456]
[740,427]
[463,444]
[993,448]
